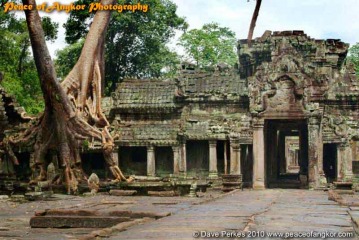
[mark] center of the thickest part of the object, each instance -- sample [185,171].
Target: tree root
[72,109]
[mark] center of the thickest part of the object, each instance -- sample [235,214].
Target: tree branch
[253,22]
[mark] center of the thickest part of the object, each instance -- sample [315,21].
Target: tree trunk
[73,108]
[253,22]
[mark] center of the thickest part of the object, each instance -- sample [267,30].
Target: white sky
[319,19]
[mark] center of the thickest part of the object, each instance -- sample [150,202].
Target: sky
[320,19]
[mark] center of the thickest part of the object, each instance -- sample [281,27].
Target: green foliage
[16,63]
[67,58]
[210,45]
[354,57]
[86,144]
[50,29]
[135,41]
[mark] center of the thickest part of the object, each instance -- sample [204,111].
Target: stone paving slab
[15,217]
[269,210]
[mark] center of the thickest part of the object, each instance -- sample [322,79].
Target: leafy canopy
[135,41]
[210,45]
[354,57]
[17,64]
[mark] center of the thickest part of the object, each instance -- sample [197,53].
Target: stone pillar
[316,176]
[348,163]
[344,164]
[235,157]
[213,171]
[340,161]
[183,159]
[151,163]
[258,155]
[176,160]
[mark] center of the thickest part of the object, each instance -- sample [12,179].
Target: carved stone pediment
[280,85]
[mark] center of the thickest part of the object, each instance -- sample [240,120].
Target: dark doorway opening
[286,153]
[133,160]
[23,170]
[221,158]
[197,158]
[94,162]
[330,162]
[164,161]
[247,165]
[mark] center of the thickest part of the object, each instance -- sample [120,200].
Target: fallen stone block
[18,198]
[33,196]
[4,197]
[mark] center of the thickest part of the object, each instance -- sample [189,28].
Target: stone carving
[93,183]
[280,85]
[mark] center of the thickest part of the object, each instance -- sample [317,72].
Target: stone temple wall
[282,77]
[226,120]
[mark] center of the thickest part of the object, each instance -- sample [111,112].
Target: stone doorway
[94,162]
[164,161]
[330,167]
[286,153]
[197,158]
[133,160]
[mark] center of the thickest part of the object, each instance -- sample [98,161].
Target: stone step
[162,193]
[343,185]
[232,183]
[228,189]
[344,191]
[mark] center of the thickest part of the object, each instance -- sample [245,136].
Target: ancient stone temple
[288,114]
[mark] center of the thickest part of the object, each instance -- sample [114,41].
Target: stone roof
[223,83]
[159,133]
[145,93]
[220,84]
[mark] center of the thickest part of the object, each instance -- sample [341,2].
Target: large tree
[135,41]
[73,107]
[210,45]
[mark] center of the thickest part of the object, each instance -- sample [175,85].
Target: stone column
[235,157]
[258,154]
[151,163]
[344,164]
[176,160]
[316,176]
[348,163]
[213,171]
[340,161]
[183,159]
